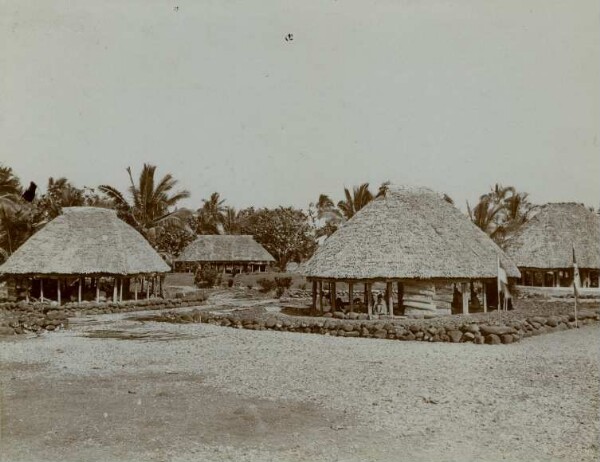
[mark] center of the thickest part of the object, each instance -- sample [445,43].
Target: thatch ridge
[410,233]
[85,241]
[225,248]
[546,241]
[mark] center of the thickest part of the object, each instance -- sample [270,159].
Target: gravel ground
[117,389]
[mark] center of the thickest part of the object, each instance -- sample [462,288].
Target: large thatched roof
[85,240]
[227,248]
[411,233]
[547,239]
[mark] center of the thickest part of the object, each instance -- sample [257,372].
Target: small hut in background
[543,247]
[228,253]
[412,242]
[80,252]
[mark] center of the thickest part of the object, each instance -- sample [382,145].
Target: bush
[278,284]
[207,277]
[266,285]
[230,283]
[284,282]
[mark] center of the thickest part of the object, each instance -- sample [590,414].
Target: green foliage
[152,200]
[284,282]
[500,212]
[171,240]
[210,216]
[207,277]
[285,232]
[332,215]
[266,285]
[278,284]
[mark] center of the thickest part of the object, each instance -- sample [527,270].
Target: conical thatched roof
[225,248]
[85,240]
[411,233]
[547,239]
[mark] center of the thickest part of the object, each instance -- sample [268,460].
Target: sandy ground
[113,389]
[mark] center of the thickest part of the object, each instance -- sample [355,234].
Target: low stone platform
[492,328]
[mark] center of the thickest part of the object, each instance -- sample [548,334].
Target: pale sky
[453,95]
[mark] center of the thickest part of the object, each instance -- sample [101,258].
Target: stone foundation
[21,317]
[447,329]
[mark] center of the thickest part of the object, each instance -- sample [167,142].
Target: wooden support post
[114,290]
[351,296]
[401,297]
[120,290]
[136,280]
[369,299]
[321,296]
[79,291]
[42,290]
[333,296]
[147,288]
[313,305]
[484,296]
[465,297]
[27,290]
[97,290]
[58,294]
[390,298]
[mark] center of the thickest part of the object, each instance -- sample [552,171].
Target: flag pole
[498,288]
[576,326]
[575,279]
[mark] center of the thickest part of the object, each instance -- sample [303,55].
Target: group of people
[377,302]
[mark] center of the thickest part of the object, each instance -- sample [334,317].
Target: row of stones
[20,318]
[34,322]
[478,333]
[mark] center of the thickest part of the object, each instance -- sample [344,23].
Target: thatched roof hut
[413,237]
[240,250]
[547,240]
[411,233]
[85,241]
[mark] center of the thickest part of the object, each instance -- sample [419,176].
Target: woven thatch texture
[547,240]
[411,233]
[85,240]
[217,248]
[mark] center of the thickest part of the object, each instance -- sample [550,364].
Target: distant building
[228,253]
[543,247]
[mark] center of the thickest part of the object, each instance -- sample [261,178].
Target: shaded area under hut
[87,253]
[227,253]
[543,247]
[424,255]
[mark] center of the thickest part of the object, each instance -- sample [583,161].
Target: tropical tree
[285,232]
[332,215]
[500,212]
[211,215]
[18,221]
[151,204]
[232,221]
[10,186]
[17,217]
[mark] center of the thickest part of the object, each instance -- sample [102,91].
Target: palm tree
[17,224]
[151,203]
[355,201]
[210,216]
[10,186]
[232,221]
[500,212]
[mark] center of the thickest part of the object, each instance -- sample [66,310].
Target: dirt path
[117,389]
